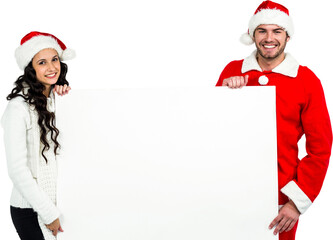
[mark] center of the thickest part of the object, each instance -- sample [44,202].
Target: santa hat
[34,42]
[268,12]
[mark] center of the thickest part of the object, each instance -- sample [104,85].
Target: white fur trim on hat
[269,16]
[25,52]
[68,54]
[246,39]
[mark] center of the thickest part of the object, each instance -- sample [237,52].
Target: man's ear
[288,38]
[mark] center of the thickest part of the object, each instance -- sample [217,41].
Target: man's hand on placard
[286,219]
[236,82]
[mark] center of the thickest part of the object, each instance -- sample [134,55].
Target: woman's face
[47,66]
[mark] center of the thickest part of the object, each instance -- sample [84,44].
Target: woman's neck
[47,91]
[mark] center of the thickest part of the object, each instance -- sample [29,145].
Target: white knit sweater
[30,178]
[47,181]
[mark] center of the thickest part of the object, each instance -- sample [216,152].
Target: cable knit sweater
[23,153]
[47,181]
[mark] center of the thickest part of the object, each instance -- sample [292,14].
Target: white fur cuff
[301,200]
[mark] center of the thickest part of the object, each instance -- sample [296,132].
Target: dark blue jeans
[26,223]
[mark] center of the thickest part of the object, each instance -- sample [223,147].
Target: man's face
[270,41]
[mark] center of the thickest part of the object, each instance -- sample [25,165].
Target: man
[300,109]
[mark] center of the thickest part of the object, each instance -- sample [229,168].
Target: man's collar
[289,66]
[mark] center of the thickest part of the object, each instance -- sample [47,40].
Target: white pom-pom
[68,54]
[246,39]
[263,80]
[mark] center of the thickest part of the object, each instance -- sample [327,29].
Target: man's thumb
[246,78]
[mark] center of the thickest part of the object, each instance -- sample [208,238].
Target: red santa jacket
[300,109]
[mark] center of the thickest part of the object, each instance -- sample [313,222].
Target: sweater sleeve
[311,170]
[15,122]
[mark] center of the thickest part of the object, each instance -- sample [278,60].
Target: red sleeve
[316,124]
[232,69]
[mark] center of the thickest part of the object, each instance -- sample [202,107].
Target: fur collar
[288,67]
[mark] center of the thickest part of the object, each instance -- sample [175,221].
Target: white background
[154,43]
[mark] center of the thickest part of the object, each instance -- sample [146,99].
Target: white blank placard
[168,164]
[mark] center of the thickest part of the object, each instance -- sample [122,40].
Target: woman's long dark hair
[35,97]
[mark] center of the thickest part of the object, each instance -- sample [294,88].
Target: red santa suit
[300,109]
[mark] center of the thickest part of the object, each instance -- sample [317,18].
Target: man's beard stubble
[274,56]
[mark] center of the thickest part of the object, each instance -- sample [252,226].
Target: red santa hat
[268,12]
[34,42]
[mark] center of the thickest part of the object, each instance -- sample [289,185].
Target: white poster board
[168,164]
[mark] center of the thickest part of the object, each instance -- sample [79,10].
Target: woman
[31,136]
